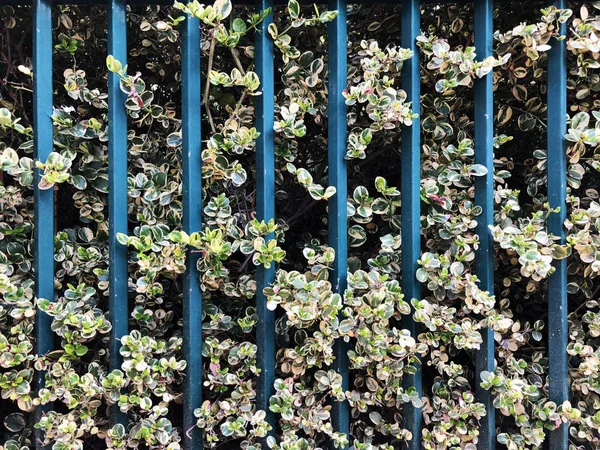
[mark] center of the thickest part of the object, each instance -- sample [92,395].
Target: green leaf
[223,8]
[14,422]
[327,16]
[179,237]
[251,81]
[79,182]
[239,26]
[329,192]
[380,184]
[503,438]
[113,64]
[478,170]
[294,9]
[380,206]
[580,121]
[123,239]
[273,30]
[526,122]
[304,176]
[360,194]
[561,251]
[174,139]
[358,236]
[422,275]
[5,117]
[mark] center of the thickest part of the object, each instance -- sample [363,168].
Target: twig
[211,55]
[9,58]
[18,86]
[243,266]
[239,103]
[585,302]
[238,63]
[541,122]
[300,213]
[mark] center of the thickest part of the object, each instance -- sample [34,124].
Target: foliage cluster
[311,316]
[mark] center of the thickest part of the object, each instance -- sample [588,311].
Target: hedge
[453,310]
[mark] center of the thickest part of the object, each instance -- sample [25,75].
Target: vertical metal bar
[411,200]
[117,193]
[337,39]
[484,197]
[557,194]
[43,199]
[191,155]
[265,206]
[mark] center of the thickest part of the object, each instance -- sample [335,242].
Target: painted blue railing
[117,190]
[265,205]
[192,222]
[410,188]
[338,214]
[265,160]
[43,199]
[558,330]
[484,197]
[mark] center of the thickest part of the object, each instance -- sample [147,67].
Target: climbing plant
[311,318]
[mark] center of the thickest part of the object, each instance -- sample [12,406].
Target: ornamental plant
[311,318]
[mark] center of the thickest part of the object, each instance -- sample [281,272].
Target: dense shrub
[453,310]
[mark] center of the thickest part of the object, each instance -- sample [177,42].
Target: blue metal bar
[484,197]
[557,193]
[337,48]
[117,193]
[410,199]
[191,155]
[43,199]
[265,206]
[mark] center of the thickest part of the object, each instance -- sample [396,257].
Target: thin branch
[238,63]
[301,213]
[211,55]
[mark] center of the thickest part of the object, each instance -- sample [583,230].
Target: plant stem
[211,55]
[238,63]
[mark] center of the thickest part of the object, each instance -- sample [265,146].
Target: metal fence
[265,193]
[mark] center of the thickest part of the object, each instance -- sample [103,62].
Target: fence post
[337,39]
[191,161]
[43,198]
[484,198]
[558,327]
[411,201]
[265,206]
[117,192]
